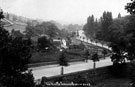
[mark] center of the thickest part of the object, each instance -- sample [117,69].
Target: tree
[95,58]
[8,16]
[73,34]
[119,15]
[44,28]
[62,61]
[86,55]
[104,53]
[16,33]
[106,22]
[14,58]
[91,27]
[130,31]
[44,43]
[130,7]
[77,33]
[30,31]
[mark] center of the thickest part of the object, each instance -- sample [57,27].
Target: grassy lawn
[72,55]
[44,57]
[113,82]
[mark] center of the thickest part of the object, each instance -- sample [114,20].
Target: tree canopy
[91,26]
[62,59]
[14,58]
[44,43]
[43,28]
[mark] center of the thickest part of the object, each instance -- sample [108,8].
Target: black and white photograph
[67,43]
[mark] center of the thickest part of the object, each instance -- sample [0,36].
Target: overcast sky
[64,11]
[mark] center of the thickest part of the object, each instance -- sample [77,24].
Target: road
[83,38]
[54,70]
[94,43]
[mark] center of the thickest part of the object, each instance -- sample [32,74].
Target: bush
[119,70]
[132,74]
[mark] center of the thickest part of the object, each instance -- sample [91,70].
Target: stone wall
[92,76]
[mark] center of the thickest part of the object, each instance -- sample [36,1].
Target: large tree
[91,27]
[106,21]
[130,33]
[14,58]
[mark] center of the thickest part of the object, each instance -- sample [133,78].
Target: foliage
[44,28]
[86,54]
[14,58]
[91,27]
[104,53]
[122,38]
[17,33]
[44,43]
[95,57]
[72,27]
[130,33]
[62,59]
[130,7]
[106,20]
[31,31]
[80,46]
[132,74]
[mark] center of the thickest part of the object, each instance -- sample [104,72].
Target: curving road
[83,38]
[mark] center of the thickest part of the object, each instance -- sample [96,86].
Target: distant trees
[72,27]
[44,28]
[30,31]
[73,34]
[14,58]
[119,15]
[106,20]
[99,29]
[16,33]
[91,27]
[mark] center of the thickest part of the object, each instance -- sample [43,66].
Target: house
[10,25]
[60,43]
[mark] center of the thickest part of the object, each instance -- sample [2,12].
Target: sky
[64,11]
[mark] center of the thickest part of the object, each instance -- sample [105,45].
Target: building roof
[9,25]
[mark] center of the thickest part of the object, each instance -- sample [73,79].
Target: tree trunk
[94,65]
[62,70]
